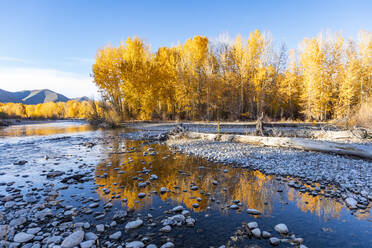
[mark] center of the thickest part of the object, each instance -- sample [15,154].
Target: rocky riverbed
[96,188]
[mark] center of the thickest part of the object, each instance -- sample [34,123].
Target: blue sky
[56,41]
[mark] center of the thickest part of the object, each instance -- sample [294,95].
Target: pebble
[73,239]
[252,225]
[23,237]
[167,245]
[166,229]
[281,228]
[274,241]
[256,233]
[253,211]
[133,224]
[87,244]
[115,236]
[135,244]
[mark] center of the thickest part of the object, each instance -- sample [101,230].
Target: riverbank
[351,176]
[98,188]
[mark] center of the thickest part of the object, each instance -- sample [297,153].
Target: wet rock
[23,237]
[18,221]
[281,228]
[90,236]
[190,221]
[194,188]
[54,240]
[73,239]
[166,229]
[120,215]
[167,245]
[135,244]
[94,205]
[256,233]
[235,207]
[153,177]
[177,219]
[100,228]
[351,203]
[252,225]
[33,230]
[151,246]
[87,244]
[177,209]
[253,211]
[274,241]
[115,236]
[141,195]
[266,235]
[133,224]
[44,213]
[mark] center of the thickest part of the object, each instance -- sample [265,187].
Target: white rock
[115,236]
[351,202]
[33,230]
[151,246]
[281,228]
[252,225]
[234,207]
[91,236]
[23,237]
[256,233]
[167,245]
[190,221]
[177,209]
[87,244]
[166,228]
[133,224]
[274,241]
[100,228]
[266,235]
[134,244]
[73,239]
[141,195]
[253,211]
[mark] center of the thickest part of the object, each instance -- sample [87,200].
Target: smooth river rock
[73,239]
[281,228]
[23,237]
[133,224]
[135,244]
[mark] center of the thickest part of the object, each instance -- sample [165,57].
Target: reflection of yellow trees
[319,205]
[253,188]
[60,110]
[45,129]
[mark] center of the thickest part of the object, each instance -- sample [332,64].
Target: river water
[119,167]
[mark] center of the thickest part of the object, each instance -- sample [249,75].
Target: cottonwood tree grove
[325,78]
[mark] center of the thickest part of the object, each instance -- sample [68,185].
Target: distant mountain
[35,97]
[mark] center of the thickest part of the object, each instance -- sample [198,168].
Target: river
[115,170]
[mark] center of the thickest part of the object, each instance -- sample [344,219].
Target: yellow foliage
[50,110]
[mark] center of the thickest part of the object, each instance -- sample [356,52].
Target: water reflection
[44,129]
[125,169]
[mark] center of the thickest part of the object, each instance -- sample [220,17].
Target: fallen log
[286,142]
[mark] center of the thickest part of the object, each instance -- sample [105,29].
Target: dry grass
[104,113]
[363,115]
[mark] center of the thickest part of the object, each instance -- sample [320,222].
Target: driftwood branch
[296,143]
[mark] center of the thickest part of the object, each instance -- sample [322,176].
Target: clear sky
[52,44]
